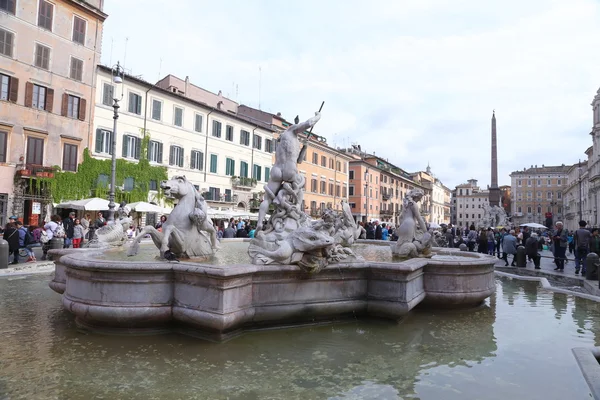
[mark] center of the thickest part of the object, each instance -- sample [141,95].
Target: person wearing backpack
[24,240]
[11,235]
[69,224]
[35,233]
[49,230]
[581,238]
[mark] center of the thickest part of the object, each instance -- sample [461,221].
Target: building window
[323,187]
[337,191]
[257,172]
[45,15]
[69,157]
[107,94]
[344,191]
[519,209]
[268,145]
[198,123]
[267,174]
[178,118]
[338,167]
[102,180]
[156,109]
[35,151]
[197,160]
[351,190]
[6,42]
[9,88]
[135,103]
[76,70]
[518,183]
[244,169]
[331,189]
[245,138]
[229,133]
[103,141]
[331,162]
[42,56]
[313,185]
[155,151]
[549,195]
[176,156]
[352,205]
[216,131]
[3,145]
[229,167]
[558,195]
[79,30]
[315,159]
[213,163]
[529,182]
[549,182]
[38,99]
[351,175]
[559,182]
[128,184]
[529,209]
[9,6]
[131,147]
[73,103]
[323,161]
[214,193]
[153,184]
[257,142]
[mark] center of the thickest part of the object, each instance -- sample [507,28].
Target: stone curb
[28,268]
[587,359]
[548,286]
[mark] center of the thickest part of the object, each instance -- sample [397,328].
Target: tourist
[78,233]
[50,229]
[68,224]
[384,232]
[482,242]
[11,235]
[378,230]
[497,242]
[531,249]
[525,234]
[252,232]
[370,228]
[559,240]
[595,241]
[159,224]
[363,231]
[581,238]
[36,235]
[240,224]
[85,222]
[131,232]
[229,232]
[571,243]
[491,241]
[241,233]
[447,233]
[472,238]
[509,246]
[100,221]
[25,238]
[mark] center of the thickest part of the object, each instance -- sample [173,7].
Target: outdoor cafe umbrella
[144,207]
[534,225]
[91,204]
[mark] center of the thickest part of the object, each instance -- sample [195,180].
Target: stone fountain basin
[217,302]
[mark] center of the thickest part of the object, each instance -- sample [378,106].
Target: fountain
[299,271]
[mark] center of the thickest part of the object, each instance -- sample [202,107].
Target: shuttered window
[244,169]
[257,172]
[267,174]
[42,56]
[3,145]
[213,163]
[4,87]
[229,167]
[155,151]
[197,160]
[245,138]
[8,5]
[216,131]
[176,156]
[257,142]
[39,97]
[35,151]
[45,15]
[69,157]
[268,145]
[178,118]
[198,123]
[76,70]
[229,133]
[131,147]
[103,141]
[135,103]
[73,106]
[79,30]
[156,109]
[6,42]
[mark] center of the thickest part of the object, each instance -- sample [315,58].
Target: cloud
[414,81]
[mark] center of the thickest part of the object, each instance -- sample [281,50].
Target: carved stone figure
[188,231]
[114,234]
[290,237]
[493,217]
[413,238]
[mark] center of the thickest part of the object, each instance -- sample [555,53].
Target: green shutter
[138,145]
[171,158]
[125,145]
[160,153]
[192,160]
[180,158]
[267,174]
[99,136]
[244,169]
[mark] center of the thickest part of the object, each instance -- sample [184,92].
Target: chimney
[187,84]
[220,94]
[219,105]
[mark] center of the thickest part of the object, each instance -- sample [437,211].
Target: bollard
[3,254]
[521,257]
[591,266]
[463,247]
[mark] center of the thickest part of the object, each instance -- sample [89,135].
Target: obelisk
[494,196]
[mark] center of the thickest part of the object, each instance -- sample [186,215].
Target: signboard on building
[36,208]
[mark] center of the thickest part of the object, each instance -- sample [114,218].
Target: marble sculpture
[188,231]
[493,217]
[413,238]
[112,235]
[290,236]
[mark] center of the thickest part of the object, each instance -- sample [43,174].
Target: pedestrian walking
[581,238]
[509,246]
[491,241]
[78,234]
[559,239]
[531,249]
[68,224]
[11,235]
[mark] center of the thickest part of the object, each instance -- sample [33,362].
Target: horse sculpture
[188,232]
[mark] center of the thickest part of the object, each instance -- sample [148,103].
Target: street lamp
[367,194]
[118,75]
[580,195]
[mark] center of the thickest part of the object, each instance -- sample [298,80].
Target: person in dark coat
[378,231]
[370,231]
[11,235]
[69,225]
[531,249]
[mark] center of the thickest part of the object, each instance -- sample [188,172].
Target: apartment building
[377,188]
[48,52]
[439,206]
[537,194]
[577,200]
[324,168]
[227,157]
[469,201]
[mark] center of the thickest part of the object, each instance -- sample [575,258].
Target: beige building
[537,194]
[48,53]
[469,201]
[439,201]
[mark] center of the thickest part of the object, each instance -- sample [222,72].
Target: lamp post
[367,195]
[580,195]
[118,74]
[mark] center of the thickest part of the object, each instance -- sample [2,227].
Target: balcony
[243,182]
[386,196]
[386,213]
[315,212]
[220,198]
[34,170]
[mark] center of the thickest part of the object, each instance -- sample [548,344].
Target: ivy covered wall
[65,186]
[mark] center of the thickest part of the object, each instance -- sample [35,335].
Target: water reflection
[499,349]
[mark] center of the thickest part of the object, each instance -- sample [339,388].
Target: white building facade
[469,201]
[226,157]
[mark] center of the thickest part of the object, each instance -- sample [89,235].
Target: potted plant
[24,172]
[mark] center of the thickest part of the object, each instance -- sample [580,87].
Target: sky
[413,81]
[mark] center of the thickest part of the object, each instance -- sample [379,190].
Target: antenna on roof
[159,68]
[125,55]
[259,84]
